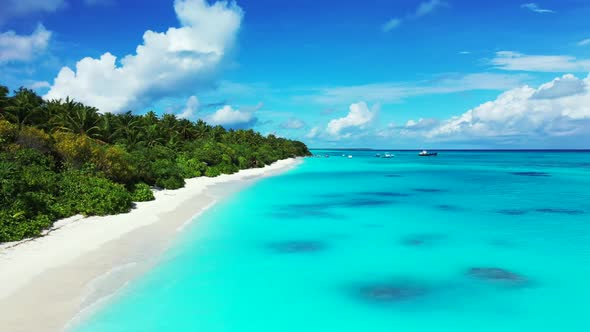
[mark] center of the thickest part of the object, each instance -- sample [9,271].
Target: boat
[388,155]
[378,155]
[349,156]
[425,153]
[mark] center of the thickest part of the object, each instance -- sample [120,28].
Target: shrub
[190,168]
[8,133]
[90,195]
[115,163]
[30,137]
[212,172]
[142,193]
[16,226]
[167,174]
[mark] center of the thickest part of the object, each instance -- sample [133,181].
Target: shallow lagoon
[466,241]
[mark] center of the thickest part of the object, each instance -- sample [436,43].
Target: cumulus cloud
[293,123]
[191,108]
[563,111]
[358,117]
[567,85]
[232,118]
[536,8]
[510,60]
[424,8]
[165,64]
[14,47]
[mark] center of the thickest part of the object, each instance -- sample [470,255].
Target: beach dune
[50,282]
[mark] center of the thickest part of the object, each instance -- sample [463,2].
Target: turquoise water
[466,241]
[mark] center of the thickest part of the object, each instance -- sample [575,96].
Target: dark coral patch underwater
[498,276]
[391,292]
[293,247]
[428,190]
[511,212]
[447,207]
[533,174]
[419,240]
[560,211]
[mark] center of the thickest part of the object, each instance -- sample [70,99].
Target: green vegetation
[61,158]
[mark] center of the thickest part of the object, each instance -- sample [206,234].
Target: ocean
[465,241]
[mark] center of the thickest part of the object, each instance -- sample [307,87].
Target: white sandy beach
[46,282]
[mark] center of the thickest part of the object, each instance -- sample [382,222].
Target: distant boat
[425,153]
[388,155]
[378,155]
[349,156]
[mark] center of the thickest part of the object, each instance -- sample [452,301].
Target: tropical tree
[78,119]
[23,107]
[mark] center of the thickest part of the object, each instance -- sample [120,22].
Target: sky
[391,74]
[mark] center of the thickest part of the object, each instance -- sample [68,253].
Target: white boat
[388,155]
[349,156]
[425,153]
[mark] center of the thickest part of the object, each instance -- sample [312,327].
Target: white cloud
[314,132]
[535,8]
[391,24]
[509,60]
[565,86]
[358,117]
[191,108]
[231,118]
[396,91]
[293,123]
[423,9]
[15,47]
[428,7]
[39,85]
[167,63]
[584,42]
[520,113]
[18,8]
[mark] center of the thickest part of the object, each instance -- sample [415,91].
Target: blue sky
[392,74]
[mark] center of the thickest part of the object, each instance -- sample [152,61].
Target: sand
[51,282]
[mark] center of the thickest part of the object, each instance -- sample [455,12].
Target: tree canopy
[59,158]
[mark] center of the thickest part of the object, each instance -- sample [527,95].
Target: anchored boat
[425,153]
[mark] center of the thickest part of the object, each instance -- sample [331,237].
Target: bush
[142,193]
[89,195]
[167,174]
[212,172]
[190,168]
[16,226]
[8,133]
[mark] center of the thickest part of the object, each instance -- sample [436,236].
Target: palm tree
[79,119]
[186,129]
[108,127]
[3,99]
[128,128]
[23,107]
[151,136]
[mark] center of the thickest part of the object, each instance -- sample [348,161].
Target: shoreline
[49,283]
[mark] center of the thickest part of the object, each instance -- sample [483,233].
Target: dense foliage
[60,158]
